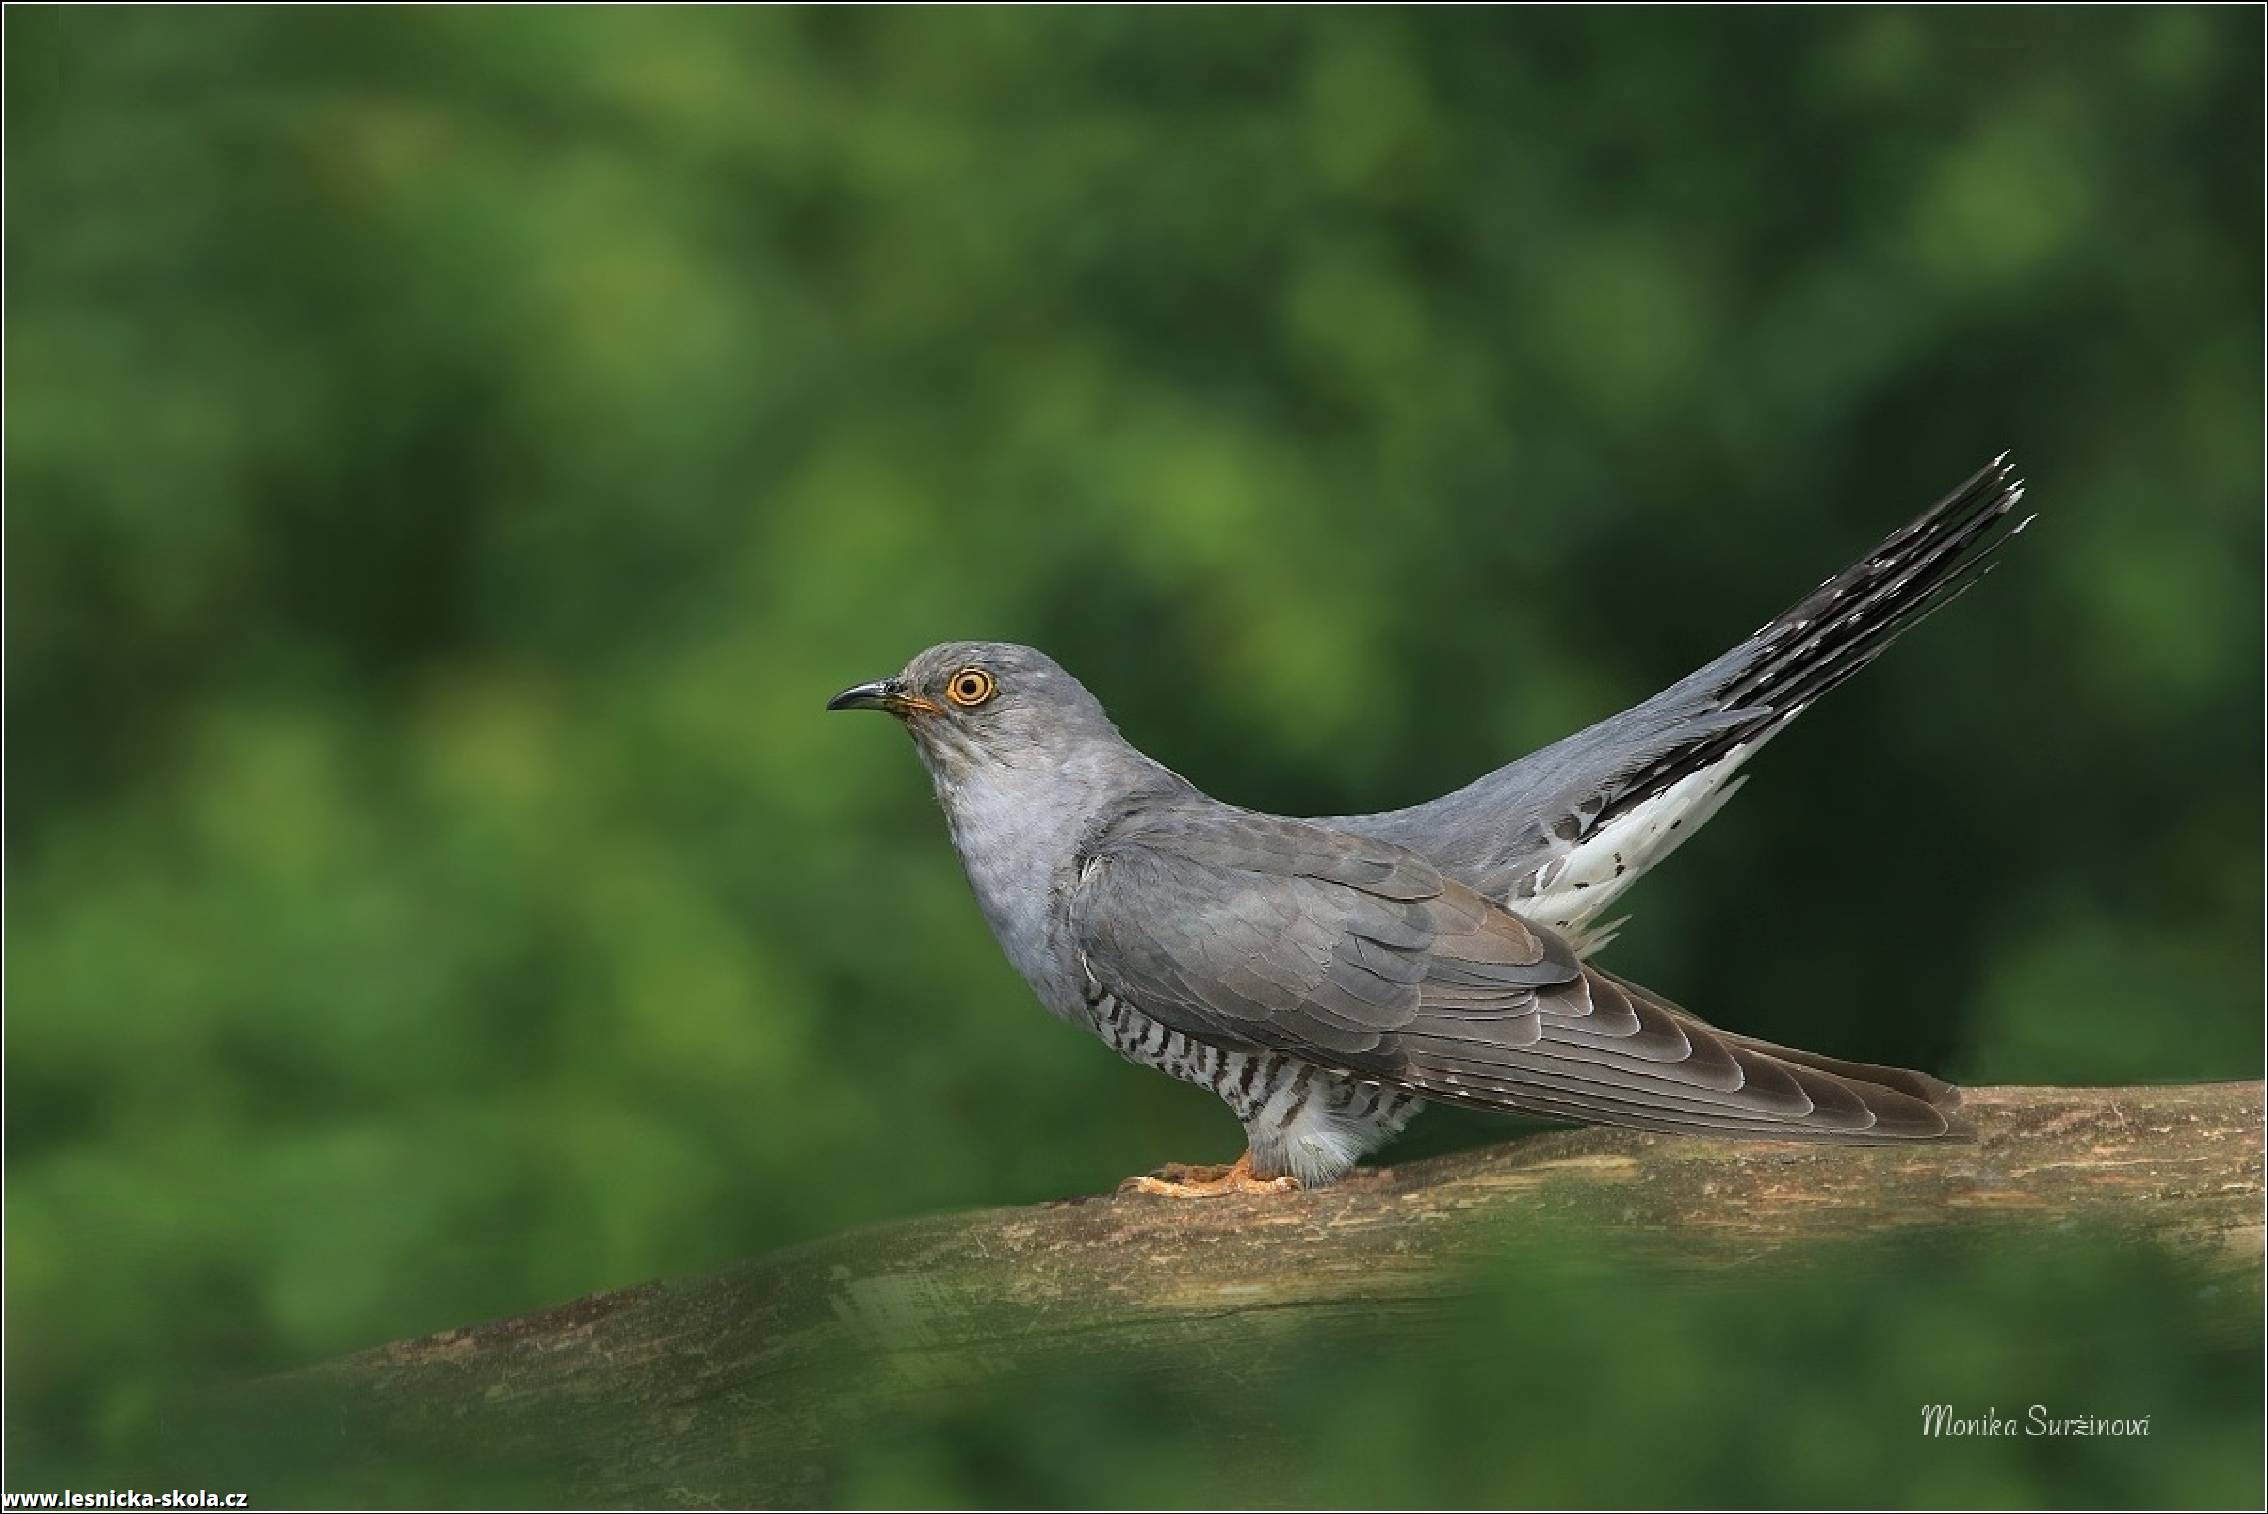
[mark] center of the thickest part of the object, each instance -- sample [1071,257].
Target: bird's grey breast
[1017,831]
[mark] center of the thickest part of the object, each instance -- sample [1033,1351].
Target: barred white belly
[1301,1119]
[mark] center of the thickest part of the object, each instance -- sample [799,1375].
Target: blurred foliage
[1777,1391]
[451,455]
[1576,1367]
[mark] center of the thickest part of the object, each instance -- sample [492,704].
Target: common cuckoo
[1328,977]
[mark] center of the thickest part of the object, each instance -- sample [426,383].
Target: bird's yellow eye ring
[970,687]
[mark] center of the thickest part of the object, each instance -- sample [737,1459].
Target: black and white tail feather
[1562,833]
[1844,624]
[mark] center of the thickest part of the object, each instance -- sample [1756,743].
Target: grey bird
[1328,977]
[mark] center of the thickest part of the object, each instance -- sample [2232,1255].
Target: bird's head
[976,705]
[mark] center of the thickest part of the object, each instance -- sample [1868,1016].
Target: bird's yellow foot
[1178,1180]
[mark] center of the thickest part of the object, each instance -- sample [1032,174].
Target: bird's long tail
[1562,833]
[1844,624]
[1610,1052]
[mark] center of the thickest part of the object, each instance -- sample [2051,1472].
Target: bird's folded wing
[1253,932]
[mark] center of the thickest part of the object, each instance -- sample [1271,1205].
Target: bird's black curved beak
[881,694]
[889,694]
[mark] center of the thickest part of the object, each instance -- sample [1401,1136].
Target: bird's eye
[970,687]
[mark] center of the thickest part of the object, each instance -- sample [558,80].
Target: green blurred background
[451,455]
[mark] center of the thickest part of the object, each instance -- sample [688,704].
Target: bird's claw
[1180,1180]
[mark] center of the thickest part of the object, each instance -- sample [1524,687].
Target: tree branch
[719,1388]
